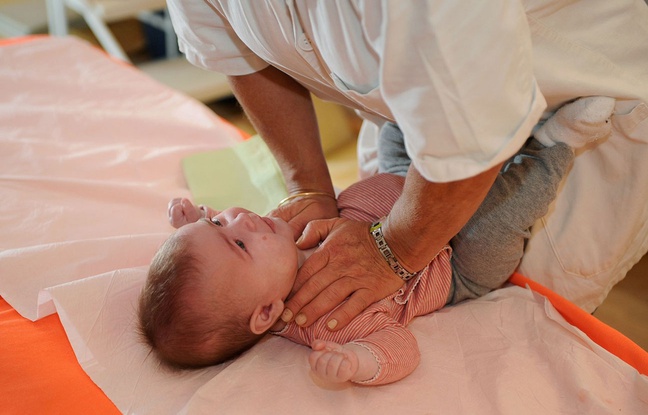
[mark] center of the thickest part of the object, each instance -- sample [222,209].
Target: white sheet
[509,352]
[90,154]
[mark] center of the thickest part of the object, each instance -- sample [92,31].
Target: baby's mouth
[270,223]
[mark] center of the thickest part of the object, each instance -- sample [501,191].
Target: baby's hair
[184,328]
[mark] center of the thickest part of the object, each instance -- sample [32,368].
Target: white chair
[174,71]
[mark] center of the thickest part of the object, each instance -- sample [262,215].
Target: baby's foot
[578,123]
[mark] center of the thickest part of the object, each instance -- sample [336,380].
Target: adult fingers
[315,232]
[299,212]
[307,289]
[326,301]
[347,265]
[357,298]
[356,304]
[290,214]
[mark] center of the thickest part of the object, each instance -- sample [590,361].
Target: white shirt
[457,79]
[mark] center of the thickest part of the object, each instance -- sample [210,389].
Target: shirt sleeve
[391,343]
[396,351]
[208,40]
[458,78]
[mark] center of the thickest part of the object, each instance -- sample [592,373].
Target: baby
[218,284]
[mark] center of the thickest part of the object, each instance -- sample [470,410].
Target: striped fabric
[382,327]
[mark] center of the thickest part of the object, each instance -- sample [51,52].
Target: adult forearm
[282,112]
[428,215]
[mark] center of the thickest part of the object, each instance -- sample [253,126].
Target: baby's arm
[182,212]
[378,347]
[384,356]
[339,363]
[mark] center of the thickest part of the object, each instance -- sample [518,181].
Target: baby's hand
[182,212]
[333,362]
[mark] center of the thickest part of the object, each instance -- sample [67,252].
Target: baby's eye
[215,221]
[240,244]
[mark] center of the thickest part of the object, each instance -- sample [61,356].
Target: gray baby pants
[490,246]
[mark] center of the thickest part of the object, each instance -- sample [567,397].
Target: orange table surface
[39,372]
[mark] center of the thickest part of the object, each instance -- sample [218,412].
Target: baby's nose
[248,219]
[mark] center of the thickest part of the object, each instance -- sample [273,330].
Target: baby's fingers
[331,366]
[191,212]
[181,212]
[176,215]
[326,345]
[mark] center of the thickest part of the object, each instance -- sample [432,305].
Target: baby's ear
[264,316]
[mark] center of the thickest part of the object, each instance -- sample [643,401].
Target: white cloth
[597,228]
[409,63]
[456,78]
[90,155]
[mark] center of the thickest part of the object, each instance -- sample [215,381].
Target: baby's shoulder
[371,198]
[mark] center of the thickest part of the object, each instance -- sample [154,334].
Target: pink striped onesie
[381,328]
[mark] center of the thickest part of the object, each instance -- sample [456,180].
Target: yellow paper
[245,175]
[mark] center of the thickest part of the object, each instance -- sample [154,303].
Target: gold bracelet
[304,194]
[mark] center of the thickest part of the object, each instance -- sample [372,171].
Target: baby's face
[250,256]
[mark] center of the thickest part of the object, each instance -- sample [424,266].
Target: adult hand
[346,265]
[282,112]
[302,210]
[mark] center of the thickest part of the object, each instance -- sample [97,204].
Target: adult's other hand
[347,265]
[302,210]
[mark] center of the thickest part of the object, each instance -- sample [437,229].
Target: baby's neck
[303,254]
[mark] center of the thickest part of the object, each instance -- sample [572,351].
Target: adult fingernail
[332,324]
[286,315]
[300,319]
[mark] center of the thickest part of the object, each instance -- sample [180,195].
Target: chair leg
[56,18]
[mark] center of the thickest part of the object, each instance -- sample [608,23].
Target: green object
[245,175]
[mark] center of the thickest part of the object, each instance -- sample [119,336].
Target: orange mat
[604,335]
[39,372]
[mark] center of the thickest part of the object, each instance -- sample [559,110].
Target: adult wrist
[305,194]
[376,231]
